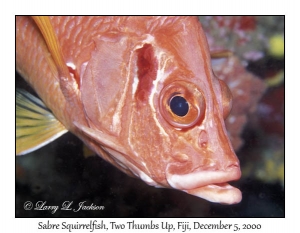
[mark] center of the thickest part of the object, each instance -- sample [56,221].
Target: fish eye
[179,105]
[182,104]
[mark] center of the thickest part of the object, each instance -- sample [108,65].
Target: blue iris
[179,106]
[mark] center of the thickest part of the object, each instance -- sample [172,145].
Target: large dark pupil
[179,106]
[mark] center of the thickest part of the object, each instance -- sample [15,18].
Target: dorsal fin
[35,124]
[47,30]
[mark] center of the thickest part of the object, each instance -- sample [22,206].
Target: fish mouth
[209,185]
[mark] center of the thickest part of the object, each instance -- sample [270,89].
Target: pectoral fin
[35,124]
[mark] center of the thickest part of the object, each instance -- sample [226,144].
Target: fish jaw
[209,185]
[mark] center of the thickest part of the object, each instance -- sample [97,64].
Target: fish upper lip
[203,178]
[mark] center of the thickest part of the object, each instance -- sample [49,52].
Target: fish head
[155,108]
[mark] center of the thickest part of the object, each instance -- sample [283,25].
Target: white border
[10,8]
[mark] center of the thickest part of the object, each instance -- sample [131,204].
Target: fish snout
[208,180]
[190,160]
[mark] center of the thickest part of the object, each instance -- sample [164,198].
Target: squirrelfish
[139,91]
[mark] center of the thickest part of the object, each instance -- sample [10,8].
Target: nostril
[233,165]
[203,139]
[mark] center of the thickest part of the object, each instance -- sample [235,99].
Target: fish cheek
[149,143]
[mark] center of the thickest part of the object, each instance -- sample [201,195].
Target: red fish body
[141,93]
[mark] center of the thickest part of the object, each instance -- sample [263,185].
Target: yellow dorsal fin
[35,124]
[46,28]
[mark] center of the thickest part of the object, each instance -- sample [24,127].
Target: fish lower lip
[220,193]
